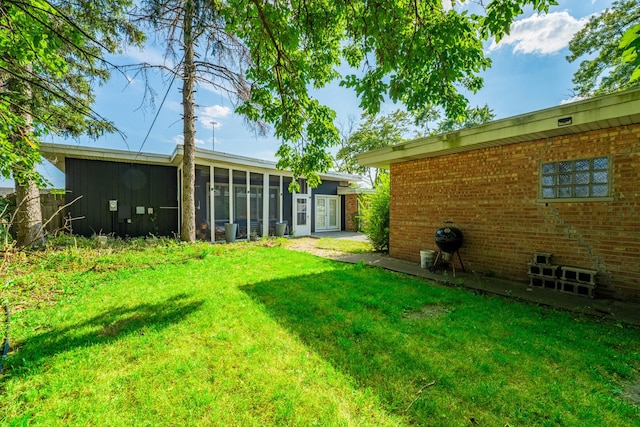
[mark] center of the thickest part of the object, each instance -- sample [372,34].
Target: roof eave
[597,113]
[57,153]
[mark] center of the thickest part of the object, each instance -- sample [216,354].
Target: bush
[375,214]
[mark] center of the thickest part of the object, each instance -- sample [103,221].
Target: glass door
[327,211]
[301,215]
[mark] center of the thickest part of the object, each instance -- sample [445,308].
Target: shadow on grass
[359,322]
[102,329]
[440,356]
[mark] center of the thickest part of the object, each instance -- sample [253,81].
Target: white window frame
[338,226]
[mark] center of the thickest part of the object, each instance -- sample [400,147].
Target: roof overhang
[234,161]
[342,191]
[57,153]
[617,109]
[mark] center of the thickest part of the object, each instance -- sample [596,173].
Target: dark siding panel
[329,188]
[132,185]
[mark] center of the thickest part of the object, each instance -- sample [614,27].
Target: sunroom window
[575,179]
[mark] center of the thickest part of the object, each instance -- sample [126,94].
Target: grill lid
[448,239]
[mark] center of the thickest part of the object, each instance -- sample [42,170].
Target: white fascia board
[234,161]
[354,190]
[617,109]
[57,153]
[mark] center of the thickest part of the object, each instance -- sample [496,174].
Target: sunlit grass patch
[245,334]
[345,245]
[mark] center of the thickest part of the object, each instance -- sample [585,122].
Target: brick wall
[491,194]
[351,210]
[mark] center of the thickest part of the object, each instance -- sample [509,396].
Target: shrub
[375,214]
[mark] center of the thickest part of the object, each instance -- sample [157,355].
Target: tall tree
[605,69]
[268,54]
[375,131]
[199,51]
[473,117]
[51,59]
[630,45]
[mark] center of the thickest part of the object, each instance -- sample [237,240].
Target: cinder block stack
[542,273]
[573,280]
[579,281]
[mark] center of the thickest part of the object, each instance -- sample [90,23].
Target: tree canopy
[415,53]
[51,58]
[630,45]
[610,62]
[267,55]
[382,130]
[374,131]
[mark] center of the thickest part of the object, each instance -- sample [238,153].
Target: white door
[327,213]
[301,215]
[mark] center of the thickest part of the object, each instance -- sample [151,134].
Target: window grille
[585,178]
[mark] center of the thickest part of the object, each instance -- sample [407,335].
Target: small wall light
[565,121]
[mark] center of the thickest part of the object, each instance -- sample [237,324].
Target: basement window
[576,179]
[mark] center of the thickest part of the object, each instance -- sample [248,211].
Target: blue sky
[529,73]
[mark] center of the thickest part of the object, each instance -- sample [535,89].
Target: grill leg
[460,259]
[453,265]
[434,266]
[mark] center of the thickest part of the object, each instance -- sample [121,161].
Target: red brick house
[564,180]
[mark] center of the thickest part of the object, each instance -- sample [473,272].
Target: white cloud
[148,55]
[213,113]
[269,155]
[542,34]
[573,99]
[174,106]
[179,140]
[211,88]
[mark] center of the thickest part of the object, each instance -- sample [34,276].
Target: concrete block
[542,258]
[576,288]
[544,270]
[542,282]
[579,275]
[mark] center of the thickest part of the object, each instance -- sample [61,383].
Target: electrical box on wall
[113,206]
[139,210]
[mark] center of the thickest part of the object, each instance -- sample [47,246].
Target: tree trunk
[188,229]
[29,214]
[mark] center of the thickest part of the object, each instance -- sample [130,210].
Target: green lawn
[251,335]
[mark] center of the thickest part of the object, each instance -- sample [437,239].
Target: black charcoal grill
[449,240]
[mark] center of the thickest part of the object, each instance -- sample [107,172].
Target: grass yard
[255,334]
